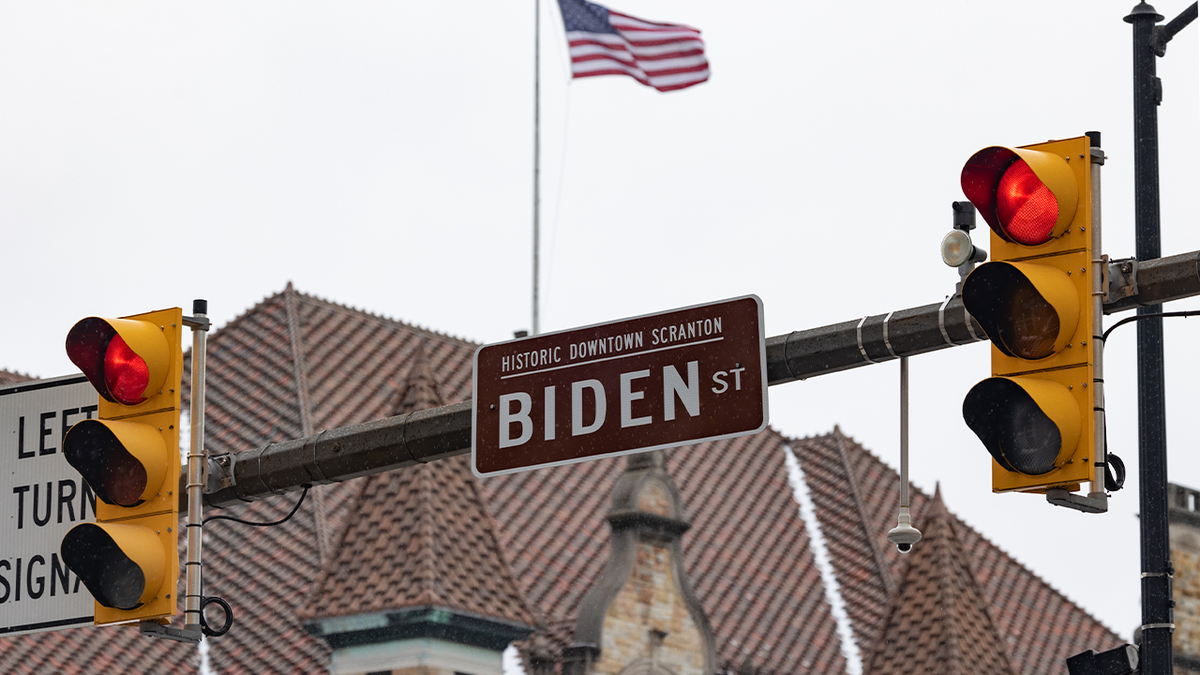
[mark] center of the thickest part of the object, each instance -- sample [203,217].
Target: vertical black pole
[1152,423]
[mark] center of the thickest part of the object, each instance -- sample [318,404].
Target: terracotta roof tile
[1041,626]
[938,621]
[419,537]
[10,377]
[747,554]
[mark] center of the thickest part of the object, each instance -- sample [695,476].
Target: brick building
[1183,516]
[694,560]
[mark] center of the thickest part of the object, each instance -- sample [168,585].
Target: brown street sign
[679,377]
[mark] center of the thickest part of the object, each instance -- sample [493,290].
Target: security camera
[904,535]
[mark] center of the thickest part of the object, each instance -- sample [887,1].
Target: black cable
[208,631]
[1139,317]
[206,600]
[277,522]
[1114,469]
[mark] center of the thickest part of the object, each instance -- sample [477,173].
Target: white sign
[41,497]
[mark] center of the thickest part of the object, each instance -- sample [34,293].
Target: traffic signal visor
[1028,197]
[126,360]
[123,566]
[124,463]
[1029,311]
[1031,426]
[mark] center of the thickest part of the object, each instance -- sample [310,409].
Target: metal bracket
[220,473]
[197,323]
[190,633]
[1096,502]
[1119,278]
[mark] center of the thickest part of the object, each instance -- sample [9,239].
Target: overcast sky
[379,154]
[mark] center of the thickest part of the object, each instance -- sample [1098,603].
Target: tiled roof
[1041,626]
[419,537]
[296,364]
[938,622]
[9,377]
[747,554]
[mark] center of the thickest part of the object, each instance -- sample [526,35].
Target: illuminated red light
[1025,207]
[125,373]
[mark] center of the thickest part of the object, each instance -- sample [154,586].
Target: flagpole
[537,154]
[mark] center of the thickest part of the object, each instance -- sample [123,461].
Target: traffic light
[129,456]
[1036,302]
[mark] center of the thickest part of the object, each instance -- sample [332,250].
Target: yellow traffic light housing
[129,457]
[1036,303]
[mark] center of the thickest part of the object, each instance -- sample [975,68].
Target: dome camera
[904,535]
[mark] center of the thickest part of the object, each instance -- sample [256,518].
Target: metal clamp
[220,472]
[404,439]
[312,465]
[886,342]
[1119,278]
[942,321]
[970,321]
[862,349]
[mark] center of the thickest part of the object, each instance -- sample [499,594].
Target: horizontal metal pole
[433,434]
[1161,280]
[340,454]
[875,339]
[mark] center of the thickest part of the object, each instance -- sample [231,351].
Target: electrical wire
[206,600]
[271,524]
[1139,317]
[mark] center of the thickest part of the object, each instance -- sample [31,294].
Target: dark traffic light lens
[1028,325]
[125,373]
[1026,208]
[1026,439]
[1015,310]
[115,475]
[1016,431]
[113,579]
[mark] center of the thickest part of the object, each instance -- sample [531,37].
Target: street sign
[41,497]
[657,381]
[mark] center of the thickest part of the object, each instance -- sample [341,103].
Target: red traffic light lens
[125,360]
[1025,206]
[125,373]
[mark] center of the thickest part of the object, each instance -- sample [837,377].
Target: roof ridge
[295,348]
[380,317]
[1025,568]
[973,529]
[15,376]
[938,624]
[988,540]
[889,584]
[249,311]
[429,554]
[491,531]
[399,323]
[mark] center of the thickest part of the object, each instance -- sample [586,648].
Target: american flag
[665,56]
